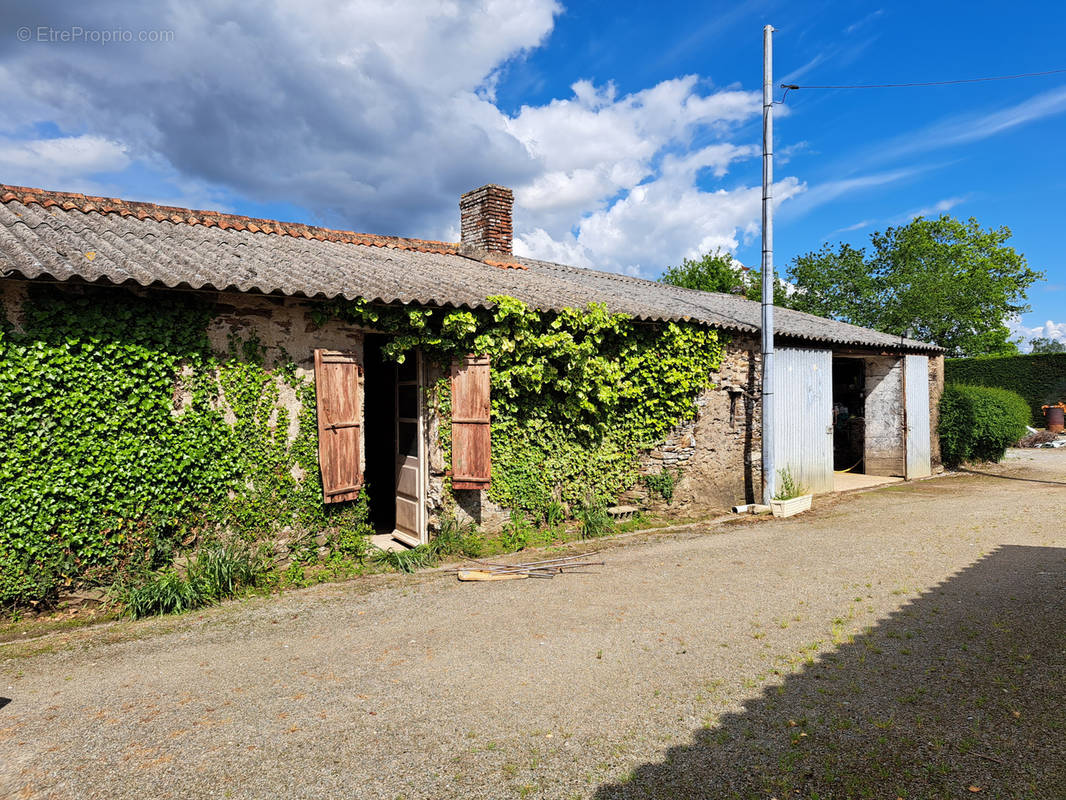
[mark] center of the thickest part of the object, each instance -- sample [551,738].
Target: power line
[793,87]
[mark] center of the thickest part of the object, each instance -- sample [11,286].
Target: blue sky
[630,133]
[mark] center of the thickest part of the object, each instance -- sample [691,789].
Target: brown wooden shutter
[471,410]
[339,424]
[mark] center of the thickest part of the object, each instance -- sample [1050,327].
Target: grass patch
[214,574]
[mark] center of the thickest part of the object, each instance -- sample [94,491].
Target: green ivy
[576,395]
[117,448]
[127,440]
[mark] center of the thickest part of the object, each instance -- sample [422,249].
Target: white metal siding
[917,401]
[803,409]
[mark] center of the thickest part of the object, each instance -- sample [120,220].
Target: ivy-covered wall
[577,397]
[138,425]
[1039,378]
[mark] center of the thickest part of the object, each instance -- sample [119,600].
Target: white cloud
[968,128]
[823,193]
[60,161]
[377,116]
[1049,330]
[864,21]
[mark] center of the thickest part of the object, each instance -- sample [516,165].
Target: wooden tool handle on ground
[481,575]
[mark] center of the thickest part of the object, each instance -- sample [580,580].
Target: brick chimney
[485,217]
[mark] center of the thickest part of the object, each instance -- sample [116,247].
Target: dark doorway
[849,409]
[379,392]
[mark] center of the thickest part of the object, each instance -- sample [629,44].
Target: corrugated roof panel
[37,242]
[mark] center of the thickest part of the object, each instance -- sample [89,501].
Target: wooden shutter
[339,424]
[471,459]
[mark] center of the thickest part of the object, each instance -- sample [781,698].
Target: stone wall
[718,454]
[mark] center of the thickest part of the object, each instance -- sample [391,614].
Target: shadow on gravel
[963,687]
[1009,477]
[4,701]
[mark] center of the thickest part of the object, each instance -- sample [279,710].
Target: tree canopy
[720,272]
[950,282]
[1045,345]
[713,272]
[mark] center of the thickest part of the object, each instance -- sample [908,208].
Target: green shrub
[1040,378]
[979,423]
[517,533]
[554,514]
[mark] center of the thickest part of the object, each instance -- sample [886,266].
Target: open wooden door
[410,453]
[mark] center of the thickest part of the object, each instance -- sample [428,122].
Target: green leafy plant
[215,573]
[456,539]
[663,483]
[113,422]
[787,486]
[594,519]
[554,514]
[979,423]
[517,533]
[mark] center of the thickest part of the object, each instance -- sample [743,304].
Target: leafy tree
[1045,345]
[718,272]
[714,272]
[951,282]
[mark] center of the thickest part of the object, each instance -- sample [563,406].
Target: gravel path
[905,642]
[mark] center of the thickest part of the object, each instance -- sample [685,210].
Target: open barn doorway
[395,451]
[849,414]
[868,442]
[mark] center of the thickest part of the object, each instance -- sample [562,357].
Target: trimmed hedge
[979,423]
[1039,378]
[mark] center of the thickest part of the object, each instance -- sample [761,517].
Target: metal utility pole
[769,471]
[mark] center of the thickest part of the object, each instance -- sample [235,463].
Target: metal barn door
[916,377]
[803,416]
[410,453]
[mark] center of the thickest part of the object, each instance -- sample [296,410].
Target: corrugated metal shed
[179,248]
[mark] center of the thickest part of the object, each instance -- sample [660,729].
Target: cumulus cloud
[376,117]
[1025,333]
[1049,330]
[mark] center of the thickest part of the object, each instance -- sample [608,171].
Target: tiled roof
[63,236]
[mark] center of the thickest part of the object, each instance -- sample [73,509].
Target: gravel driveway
[904,642]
